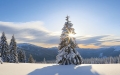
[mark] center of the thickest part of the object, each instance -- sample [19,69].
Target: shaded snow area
[53,69]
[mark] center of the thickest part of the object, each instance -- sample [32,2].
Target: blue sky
[96,22]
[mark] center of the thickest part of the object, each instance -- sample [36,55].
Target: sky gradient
[39,22]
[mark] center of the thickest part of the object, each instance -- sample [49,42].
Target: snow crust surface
[54,69]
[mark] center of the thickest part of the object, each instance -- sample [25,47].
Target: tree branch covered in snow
[9,53]
[67,53]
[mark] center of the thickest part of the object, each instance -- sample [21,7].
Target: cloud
[98,41]
[35,32]
[88,46]
[26,25]
[30,32]
[90,40]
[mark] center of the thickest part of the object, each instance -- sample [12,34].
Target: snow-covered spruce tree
[21,56]
[67,54]
[13,51]
[44,60]
[5,53]
[0,48]
[31,60]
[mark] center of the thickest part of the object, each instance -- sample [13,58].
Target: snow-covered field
[53,69]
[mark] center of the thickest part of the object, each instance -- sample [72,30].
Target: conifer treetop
[67,18]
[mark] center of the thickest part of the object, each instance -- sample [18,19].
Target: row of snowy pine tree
[10,53]
[97,60]
[106,60]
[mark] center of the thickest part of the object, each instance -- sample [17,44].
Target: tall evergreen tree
[1,60]
[0,48]
[31,60]
[44,60]
[21,56]
[67,53]
[13,50]
[5,53]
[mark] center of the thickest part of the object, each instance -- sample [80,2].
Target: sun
[71,35]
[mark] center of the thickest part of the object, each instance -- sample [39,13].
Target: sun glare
[71,35]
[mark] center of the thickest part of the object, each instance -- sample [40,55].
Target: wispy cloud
[98,41]
[31,32]
[34,32]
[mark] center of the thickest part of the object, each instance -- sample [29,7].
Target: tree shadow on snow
[64,70]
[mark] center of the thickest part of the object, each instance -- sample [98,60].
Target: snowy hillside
[39,53]
[117,48]
[53,69]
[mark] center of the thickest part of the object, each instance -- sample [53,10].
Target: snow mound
[53,69]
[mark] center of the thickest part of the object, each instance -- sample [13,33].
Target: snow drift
[54,69]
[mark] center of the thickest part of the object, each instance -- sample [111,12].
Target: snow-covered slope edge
[39,53]
[53,69]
